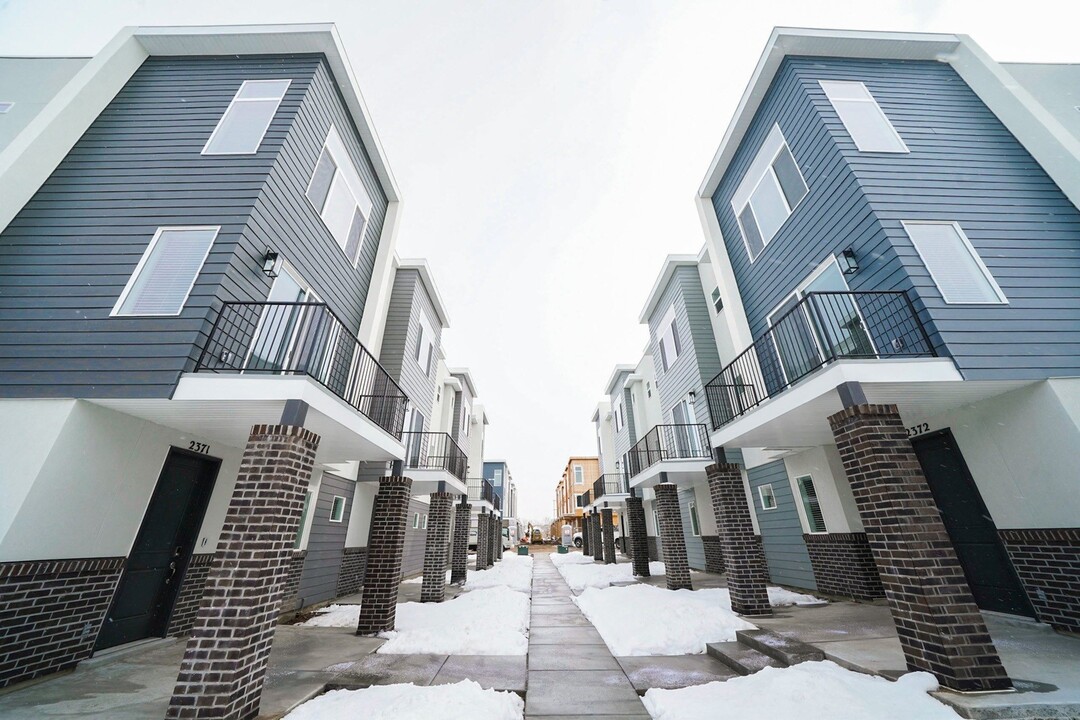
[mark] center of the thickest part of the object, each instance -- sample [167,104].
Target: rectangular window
[303,519]
[337,509]
[423,522]
[863,118]
[954,266]
[769,192]
[618,416]
[338,194]
[167,271]
[579,475]
[814,518]
[425,346]
[768,497]
[717,301]
[669,339]
[241,129]
[416,521]
[466,414]
[695,524]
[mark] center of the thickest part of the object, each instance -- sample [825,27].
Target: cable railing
[304,338]
[609,485]
[668,442]
[480,490]
[434,451]
[821,328]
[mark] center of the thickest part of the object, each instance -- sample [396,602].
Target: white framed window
[863,118]
[953,264]
[466,413]
[425,346]
[669,339]
[339,196]
[166,272]
[337,509]
[768,194]
[241,129]
[416,521]
[815,520]
[695,524]
[579,475]
[619,415]
[303,519]
[717,301]
[767,496]
[423,522]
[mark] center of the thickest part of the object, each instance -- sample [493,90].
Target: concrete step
[741,658]
[788,651]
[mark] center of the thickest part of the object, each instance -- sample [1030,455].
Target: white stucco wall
[834,494]
[706,514]
[360,517]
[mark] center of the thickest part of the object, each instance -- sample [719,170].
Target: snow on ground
[335,616]
[513,571]
[461,701]
[571,558]
[779,597]
[808,691]
[645,620]
[580,575]
[419,579]
[488,621]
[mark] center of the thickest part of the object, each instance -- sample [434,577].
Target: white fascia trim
[452,383]
[421,266]
[619,370]
[671,262]
[724,274]
[466,375]
[821,43]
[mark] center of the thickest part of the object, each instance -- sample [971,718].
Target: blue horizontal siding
[781,531]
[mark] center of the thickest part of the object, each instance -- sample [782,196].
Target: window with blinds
[863,118]
[166,272]
[953,264]
[241,129]
[808,492]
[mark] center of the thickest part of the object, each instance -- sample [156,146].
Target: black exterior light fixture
[848,264]
[271,263]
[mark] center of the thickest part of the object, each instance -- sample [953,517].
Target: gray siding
[412,557]
[326,542]
[65,258]
[964,166]
[624,439]
[698,361]
[695,547]
[781,531]
[458,430]
[409,302]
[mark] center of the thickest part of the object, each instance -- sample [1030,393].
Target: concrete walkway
[571,672]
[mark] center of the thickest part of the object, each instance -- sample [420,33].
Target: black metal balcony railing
[496,501]
[609,485]
[480,490]
[668,442]
[299,338]
[819,329]
[434,451]
[586,498]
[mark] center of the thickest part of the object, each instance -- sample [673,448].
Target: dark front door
[989,572]
[147,590]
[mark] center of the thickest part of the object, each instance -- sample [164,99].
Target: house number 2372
[918,429]
[198,447]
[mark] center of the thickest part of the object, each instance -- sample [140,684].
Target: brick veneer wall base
[386,542]
[654,548]
[481,540]
[433,588]
[844,565]
[1048,563]
[51,612]
[224,665]
[459,555]
[744,561]
[607,521]
[192,588]
[290,588]
[351,576]
[639,541]
[714,554]
[672,540]
[940,628]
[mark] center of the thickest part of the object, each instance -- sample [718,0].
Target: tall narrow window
[241,129]
[814,518]
[166,272]
[768,193]
[863,118]
[425,346]
[579,475]
[695,524]
[669,339]
[338,194]
[955,267]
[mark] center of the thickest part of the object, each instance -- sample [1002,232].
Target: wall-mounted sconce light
[271,263]
[848,264]
[693,396]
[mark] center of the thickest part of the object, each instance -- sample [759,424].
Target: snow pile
[335,616]
[420,579]
[461,701]
[513,571]
[808,691]
[490,621]
[571,558]
[597,575]
[779,597]
[646,620]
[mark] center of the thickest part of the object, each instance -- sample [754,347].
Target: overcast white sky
[548,152]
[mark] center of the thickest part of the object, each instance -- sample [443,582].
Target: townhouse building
[571,492]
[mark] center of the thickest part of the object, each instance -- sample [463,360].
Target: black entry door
[986,565]
[147,590]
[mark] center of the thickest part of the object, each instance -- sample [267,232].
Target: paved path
[571,672]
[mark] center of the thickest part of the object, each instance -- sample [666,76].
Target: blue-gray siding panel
[781,531]
[409,302]
[326,542]
[412,556]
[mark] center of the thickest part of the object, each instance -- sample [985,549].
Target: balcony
[820,329]
[608,485]
[481,493]
[669,453]
[304,339]
[434,462]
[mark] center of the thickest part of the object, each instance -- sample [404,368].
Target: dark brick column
[389,518]
[940,627]
[459,557]
[481,539]
[676,564]
[221,675]
[433,588]
[493,520]
[609,536]
[597,537]
[639,538]
[498,539]
[747,571]
[586,527]
[714,554]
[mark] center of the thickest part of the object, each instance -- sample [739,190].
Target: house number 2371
[918,429]
[198,447]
